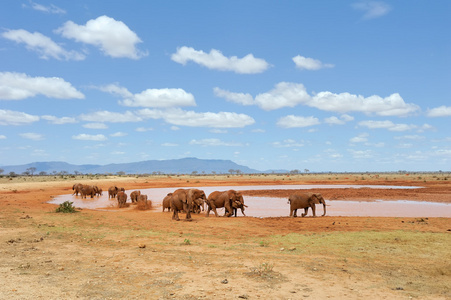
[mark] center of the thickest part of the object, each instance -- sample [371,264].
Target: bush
[66,207]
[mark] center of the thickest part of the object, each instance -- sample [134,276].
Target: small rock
[142,246]
[292,249]
[225,281]
[243,296]
[282,249]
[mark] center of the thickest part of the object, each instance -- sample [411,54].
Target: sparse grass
[263,270]
[393,255]
[264,243]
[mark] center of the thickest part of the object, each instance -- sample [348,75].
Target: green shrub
[66,207]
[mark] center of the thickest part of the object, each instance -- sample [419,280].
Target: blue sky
[317,85]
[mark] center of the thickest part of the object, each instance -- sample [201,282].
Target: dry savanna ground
[135,254]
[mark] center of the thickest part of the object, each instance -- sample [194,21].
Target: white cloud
[111,117]
[285,94]
[240,98]
[118,134]
[143,129]
[47,9]
[32,136]
[441,111]
[59,121]
[161,98]
[194,119]
[114,38]
[115,89]
[2,137]
[41,44]
[214,142]
[292,121]
[389,125]
[289,143]
[392,105]
[339,121]
[361,153]
[89,137]
[18,86]
[306,63]
[409,137]
[217,61]
[95,126]
[288,94]
[372,9]
[9,117]
[361,138]
[169,145]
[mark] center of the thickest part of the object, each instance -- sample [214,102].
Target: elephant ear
[315,198]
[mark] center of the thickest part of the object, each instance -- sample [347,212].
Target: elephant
[112,191]
[230,200]
[134,196]
[97,190]
[198,205]
[167,202]
[238,203]
[305,200]
[87,190]
[121,199]
[77,188]
[142,198]
[183,199]
[143,202]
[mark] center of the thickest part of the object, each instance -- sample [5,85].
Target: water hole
[264,207]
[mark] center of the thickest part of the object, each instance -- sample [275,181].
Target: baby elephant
[305,200]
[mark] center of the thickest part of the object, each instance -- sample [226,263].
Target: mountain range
[172,166]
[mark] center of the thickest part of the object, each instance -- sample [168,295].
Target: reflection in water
[278,207]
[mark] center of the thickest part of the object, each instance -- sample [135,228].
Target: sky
[323,86]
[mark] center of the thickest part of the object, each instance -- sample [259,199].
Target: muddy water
[277,207]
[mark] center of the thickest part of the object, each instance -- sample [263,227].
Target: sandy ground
[133,254]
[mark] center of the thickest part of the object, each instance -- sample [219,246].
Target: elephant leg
[213,207]
[305,212]
[242,211]
[313,210]
[175,215]
[295,212]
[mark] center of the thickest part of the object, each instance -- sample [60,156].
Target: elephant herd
[194,200]
[86,190]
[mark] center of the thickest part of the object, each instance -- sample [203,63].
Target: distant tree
[194,173]
[1,171]
[12,174]
[306,170]
[31,170]
[26,173]
[231,171]
[76,172]
[42,173]
[294,171]
[120,173]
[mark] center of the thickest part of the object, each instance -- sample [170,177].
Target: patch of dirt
[133,254]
